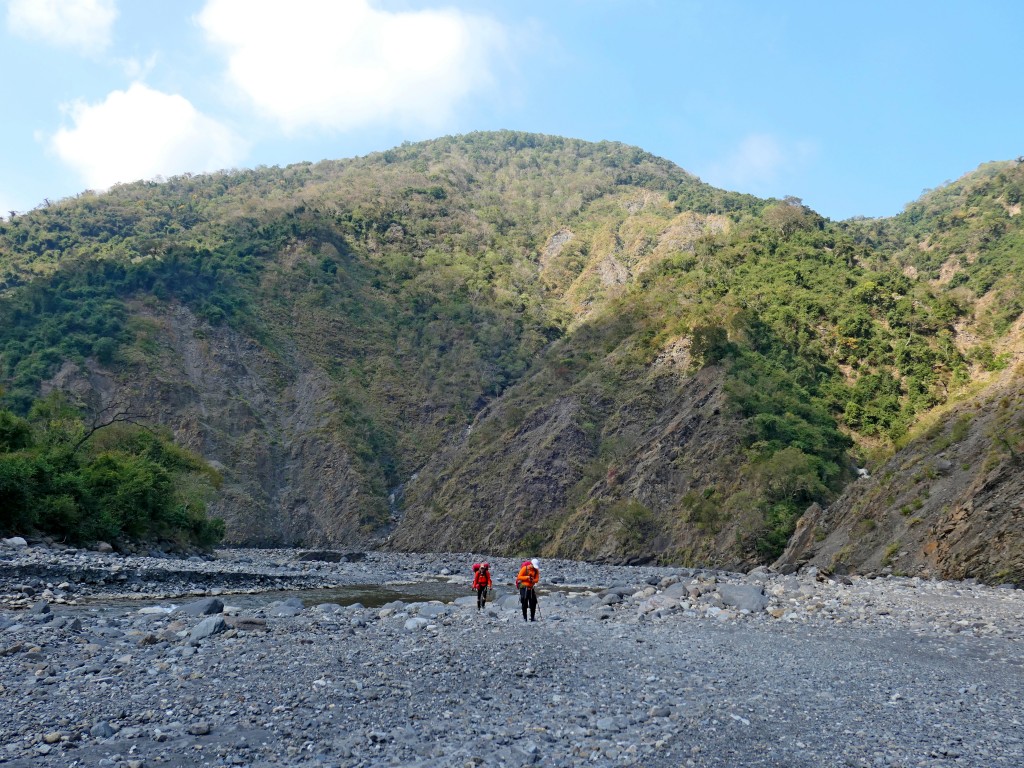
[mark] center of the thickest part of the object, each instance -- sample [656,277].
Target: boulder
[102,730]
[207,606]
[211,625]
[743,597]
[430,610]
[621,591]
[416,623]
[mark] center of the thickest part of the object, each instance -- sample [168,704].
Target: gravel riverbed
[137,662]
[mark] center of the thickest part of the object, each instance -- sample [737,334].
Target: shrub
[121,480]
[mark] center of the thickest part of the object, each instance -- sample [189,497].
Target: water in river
[370,595]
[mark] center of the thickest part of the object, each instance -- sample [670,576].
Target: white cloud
[342,64]
[141,133]
[84,25]
[760,163]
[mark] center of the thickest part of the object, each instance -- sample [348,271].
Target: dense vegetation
[107,480]
[432,279]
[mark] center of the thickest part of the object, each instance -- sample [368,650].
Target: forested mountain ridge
[512,342]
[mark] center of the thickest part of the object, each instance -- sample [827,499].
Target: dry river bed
[138,662]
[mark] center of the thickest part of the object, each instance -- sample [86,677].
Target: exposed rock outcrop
[948,505]
[263,422]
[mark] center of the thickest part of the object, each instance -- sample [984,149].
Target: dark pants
[528,599]
[481,597]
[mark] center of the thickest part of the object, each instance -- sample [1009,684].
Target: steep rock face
[486,494]
[948,505]
[680,450]
[263,422]
[581,477]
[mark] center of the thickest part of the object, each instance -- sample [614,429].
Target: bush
[119,481]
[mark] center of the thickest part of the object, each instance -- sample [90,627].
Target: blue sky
[853,107]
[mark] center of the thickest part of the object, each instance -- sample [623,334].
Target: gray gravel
[626,666]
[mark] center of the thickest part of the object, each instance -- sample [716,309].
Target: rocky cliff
[620,479]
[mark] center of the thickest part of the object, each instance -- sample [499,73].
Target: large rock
[416,623]
[101,730]
[208,627]
[204,607]
[508,603]
[621,591]
[429,610]
[743,597]
[679,589]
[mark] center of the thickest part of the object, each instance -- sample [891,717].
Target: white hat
[535,563]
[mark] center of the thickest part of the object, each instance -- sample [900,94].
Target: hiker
[481,583]
[526,581]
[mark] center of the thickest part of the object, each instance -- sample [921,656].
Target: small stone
[199,729]
[52,737]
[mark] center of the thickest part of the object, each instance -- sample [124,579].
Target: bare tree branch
[117,412]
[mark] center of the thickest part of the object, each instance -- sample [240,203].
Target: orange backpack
[481,578]
[528,576]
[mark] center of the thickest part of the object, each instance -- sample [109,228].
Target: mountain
[517,343]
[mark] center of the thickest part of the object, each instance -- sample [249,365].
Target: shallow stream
[369,595]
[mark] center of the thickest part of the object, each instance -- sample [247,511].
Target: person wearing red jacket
[529,575]
[481,583]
